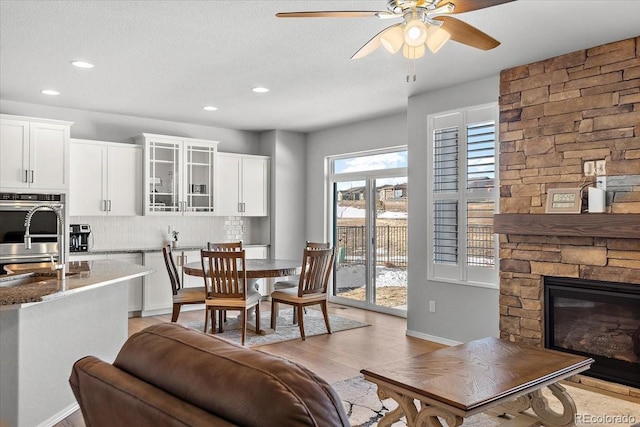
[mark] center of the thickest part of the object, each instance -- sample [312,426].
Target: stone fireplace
[554,116]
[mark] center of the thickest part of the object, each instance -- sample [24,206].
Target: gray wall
[142,231]
[463,313]
[378,133]
[287,207]
[119,128]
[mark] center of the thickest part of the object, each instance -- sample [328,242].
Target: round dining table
[256,268]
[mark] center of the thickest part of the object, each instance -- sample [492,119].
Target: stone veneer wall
[555,115]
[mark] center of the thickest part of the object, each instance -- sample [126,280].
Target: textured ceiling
[167,59]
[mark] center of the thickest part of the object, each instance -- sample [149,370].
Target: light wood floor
[334,357]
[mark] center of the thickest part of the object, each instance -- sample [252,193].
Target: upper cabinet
[179,175]
[105,179]
[243,185]
[34,154]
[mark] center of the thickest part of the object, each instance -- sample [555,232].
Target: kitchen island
[46,325]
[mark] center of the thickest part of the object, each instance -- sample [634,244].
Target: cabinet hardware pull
[26,175]
[32,177]
[109,205]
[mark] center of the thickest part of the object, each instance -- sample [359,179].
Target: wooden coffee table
[457,382]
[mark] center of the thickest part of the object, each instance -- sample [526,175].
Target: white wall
[463,313]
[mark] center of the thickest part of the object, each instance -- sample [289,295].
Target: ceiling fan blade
[467,34]
[333,14]
[372,44]
[469,5]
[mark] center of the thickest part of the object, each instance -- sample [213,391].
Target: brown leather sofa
[168,375]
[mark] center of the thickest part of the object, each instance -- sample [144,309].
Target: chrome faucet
[60,267]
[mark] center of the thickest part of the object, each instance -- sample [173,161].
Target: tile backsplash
[123,232]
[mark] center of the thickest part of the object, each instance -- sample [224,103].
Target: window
[463,199]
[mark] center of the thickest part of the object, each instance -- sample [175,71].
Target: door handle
[32,176]
[109,205]
[26,176]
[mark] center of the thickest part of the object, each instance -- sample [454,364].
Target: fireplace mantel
[619,226]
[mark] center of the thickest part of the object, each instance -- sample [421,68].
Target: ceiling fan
[424,24]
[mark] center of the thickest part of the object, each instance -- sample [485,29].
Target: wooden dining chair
[293,282]
[226,281]
[285,284]
[312,287]
[216,246]
[180,295]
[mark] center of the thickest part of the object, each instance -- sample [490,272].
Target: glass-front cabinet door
[200,161]
[179,176]
[164,176]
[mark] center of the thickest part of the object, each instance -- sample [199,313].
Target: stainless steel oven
[13,211]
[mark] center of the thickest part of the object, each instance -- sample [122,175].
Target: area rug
[285,329]
[365,409]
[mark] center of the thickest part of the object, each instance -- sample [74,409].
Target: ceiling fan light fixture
[392,39]
[415,33]
[436,38]
[411,52]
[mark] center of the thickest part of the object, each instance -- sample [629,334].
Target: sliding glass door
[370,235]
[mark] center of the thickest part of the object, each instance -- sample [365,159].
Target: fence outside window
[391,245]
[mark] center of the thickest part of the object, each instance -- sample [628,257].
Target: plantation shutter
[463,198]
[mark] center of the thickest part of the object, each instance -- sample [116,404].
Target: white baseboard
[433,338]
[56,418]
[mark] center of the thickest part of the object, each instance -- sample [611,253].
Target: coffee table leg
[406,407]
[426,416]
[548,416]
[540,406]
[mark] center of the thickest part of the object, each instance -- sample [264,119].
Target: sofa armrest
[243,386]
[110,397]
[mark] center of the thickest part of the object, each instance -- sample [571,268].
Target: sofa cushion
[109,397]
[242,386]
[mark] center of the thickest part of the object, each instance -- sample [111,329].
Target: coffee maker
[79,237]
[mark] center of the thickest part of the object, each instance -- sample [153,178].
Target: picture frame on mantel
[564,201]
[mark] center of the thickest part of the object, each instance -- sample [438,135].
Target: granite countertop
[42,284]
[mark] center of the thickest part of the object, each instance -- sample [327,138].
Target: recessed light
[260,89]
[82,64]
[49,92]
[210,108]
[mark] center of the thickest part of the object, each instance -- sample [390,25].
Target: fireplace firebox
[595,319]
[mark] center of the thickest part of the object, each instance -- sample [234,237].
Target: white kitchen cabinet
[243,185]
[34,154]
[134,285]
[156,290]
[105,178]
[179,175]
